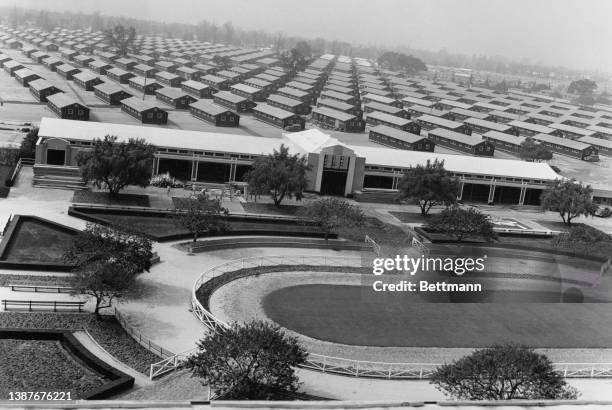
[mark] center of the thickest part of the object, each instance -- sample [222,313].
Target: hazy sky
[573,33]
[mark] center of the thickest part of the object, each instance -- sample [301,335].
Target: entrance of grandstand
[506,195]
[216,172]
[476,193]
[177,168]
[56,157]
[333,182]
[377,182]
[532,196]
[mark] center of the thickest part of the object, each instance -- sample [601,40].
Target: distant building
[25,76]
[175,97]
[144,111]
[197,89]
[278,117]
[215,114]
[42,88]
[144,85]
[337,120]
[396,138]
[234,102]
[67,107]
[111,93]
[470,144]
[87,80]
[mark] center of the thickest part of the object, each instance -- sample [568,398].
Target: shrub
[604,213]
[165,181]
[503,372]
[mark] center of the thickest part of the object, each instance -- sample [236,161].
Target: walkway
[90,344]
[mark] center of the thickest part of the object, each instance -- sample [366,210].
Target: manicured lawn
[4,173]
[270,209]
[43,365]
[159,227]
[151,225]
[554,225]
[103,198]
[34,280]
[386,235]
[105,330]
[33,241]
[408,217]
[356,315]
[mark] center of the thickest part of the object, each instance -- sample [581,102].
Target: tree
[462,224]
[117,165]
[531,151]
[106,261]
[603,98]
[121,38]
[27,149]
[331,213]
[429,185]
[502,372]
[202,215]
[304,49]
[583,86]
[569,198]
[280,174]
[584,239]
[254,361]
[403,62]
[585,99]
[295,59]
[223,62]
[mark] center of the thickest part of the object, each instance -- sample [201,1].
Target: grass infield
[357,316]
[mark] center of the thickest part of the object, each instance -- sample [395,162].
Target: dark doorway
[378,181]
[213,172]
[333,182]
[240,171]
[532,196]
[506,195]
[56,157]
[475,193]
[177,168]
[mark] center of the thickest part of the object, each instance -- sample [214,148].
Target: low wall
[277,242]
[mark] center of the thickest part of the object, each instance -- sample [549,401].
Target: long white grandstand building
[336,168]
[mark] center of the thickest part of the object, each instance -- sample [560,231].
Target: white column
[194,168]
[460,196]
[348,188]
[319,175]
[491,192]
[522,195]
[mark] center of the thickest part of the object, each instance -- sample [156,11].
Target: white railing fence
[375,246]
[169,364]
[330,364]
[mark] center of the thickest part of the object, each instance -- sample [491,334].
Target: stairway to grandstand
[376,196]
[50,176]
